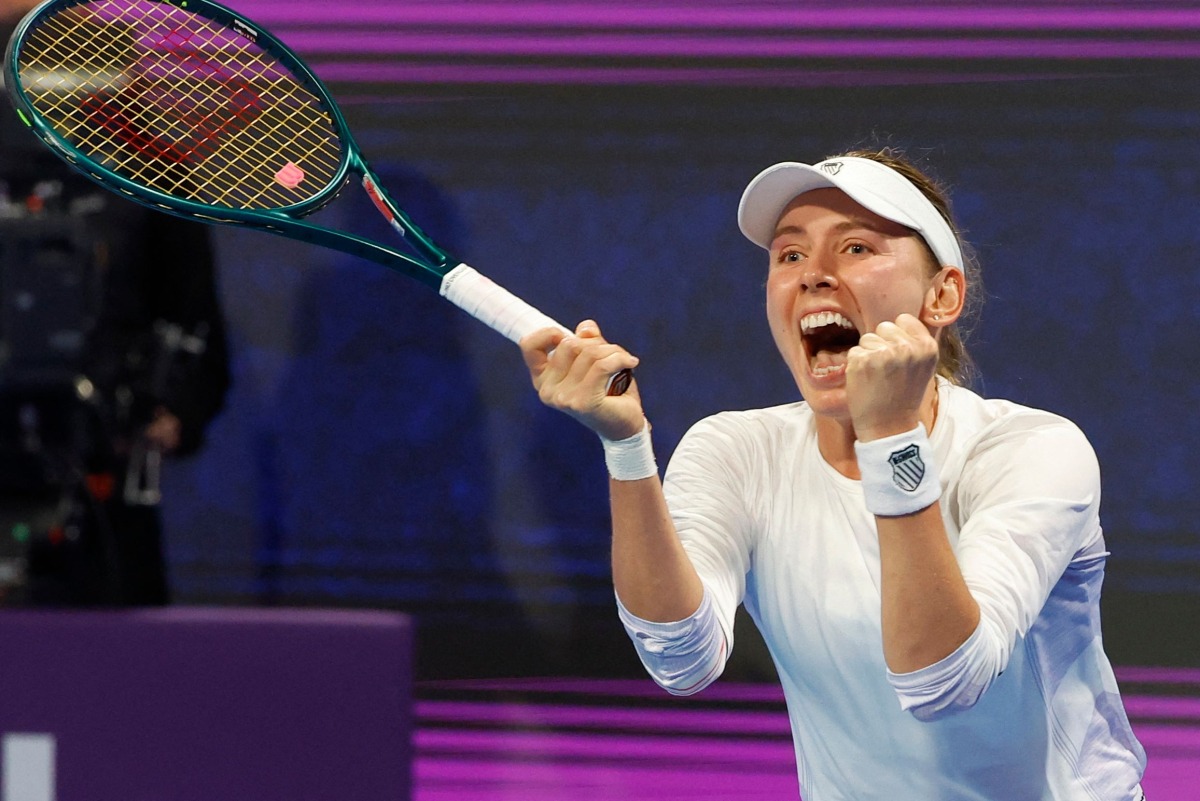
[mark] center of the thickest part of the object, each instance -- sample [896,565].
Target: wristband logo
[907,468]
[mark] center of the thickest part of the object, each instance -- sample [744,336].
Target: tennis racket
[189,108]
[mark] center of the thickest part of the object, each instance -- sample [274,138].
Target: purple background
[202,704]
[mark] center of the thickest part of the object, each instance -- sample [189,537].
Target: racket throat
[413,235]
[385,208]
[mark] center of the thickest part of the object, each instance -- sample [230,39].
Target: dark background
[381,449]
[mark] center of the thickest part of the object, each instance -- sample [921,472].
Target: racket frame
[430,264]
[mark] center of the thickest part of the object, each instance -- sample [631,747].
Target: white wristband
[631,458]
[899,476]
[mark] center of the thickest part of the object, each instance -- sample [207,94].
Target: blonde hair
[954,362]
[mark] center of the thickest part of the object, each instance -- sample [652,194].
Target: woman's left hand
[887,375]
[165,431]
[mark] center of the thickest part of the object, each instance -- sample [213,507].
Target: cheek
[886,291]
[780,302]
[780,296]
[782,287]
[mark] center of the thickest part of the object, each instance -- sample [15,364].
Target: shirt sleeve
[684,656]
[709,486]
[703,487]
[1029,495]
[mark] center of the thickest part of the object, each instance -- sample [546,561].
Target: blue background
[381,449]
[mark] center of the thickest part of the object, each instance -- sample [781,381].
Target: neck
[836,437]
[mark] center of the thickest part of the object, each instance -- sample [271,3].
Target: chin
[826,406]
[825,401]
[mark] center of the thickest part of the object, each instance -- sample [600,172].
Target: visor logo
[832,167]
[907,468]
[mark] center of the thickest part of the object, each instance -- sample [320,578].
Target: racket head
[182,105]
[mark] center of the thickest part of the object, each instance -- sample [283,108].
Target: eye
[858,249]
[790,257]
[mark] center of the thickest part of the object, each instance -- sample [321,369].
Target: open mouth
[828,337]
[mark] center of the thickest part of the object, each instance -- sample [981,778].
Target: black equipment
[49,422]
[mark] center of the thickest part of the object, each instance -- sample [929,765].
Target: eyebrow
[844,226]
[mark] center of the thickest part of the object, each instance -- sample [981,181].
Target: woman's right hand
[570,373]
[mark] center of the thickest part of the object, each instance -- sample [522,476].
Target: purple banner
[206,705]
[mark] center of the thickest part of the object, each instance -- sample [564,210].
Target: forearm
[652,574]
[928,611]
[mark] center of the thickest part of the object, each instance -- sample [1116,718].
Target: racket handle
[490,303]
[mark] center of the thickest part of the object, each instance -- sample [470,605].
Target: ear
[945,298]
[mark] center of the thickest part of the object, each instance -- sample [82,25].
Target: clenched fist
[887,375]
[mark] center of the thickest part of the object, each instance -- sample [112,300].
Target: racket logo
[245,30]
[832,167]
[290,175]
[179,106]
[189,135]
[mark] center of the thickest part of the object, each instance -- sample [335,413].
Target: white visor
[874,186]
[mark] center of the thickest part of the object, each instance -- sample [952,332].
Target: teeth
[820,319]
[832,368]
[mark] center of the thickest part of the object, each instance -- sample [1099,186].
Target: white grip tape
[492,304]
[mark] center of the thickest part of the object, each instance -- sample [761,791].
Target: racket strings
[142,138]
[71,71]
[112,120]
[132,93]
[180,103]
[241,104]
[232,191]
[201,128]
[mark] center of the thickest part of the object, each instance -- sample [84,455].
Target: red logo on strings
[179,108]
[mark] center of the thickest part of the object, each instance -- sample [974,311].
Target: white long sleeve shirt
[1026,709]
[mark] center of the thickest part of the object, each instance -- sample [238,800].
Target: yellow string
[152,91]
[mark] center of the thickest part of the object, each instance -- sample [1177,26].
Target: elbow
[691,683]
[929,709]
[687,674]
[952,685]
[682,657]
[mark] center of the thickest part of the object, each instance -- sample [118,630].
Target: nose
[815,277]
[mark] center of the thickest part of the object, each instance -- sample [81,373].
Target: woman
[924,564]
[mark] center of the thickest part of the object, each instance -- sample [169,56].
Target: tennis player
[924,564]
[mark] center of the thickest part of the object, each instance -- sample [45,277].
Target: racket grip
[490,303]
